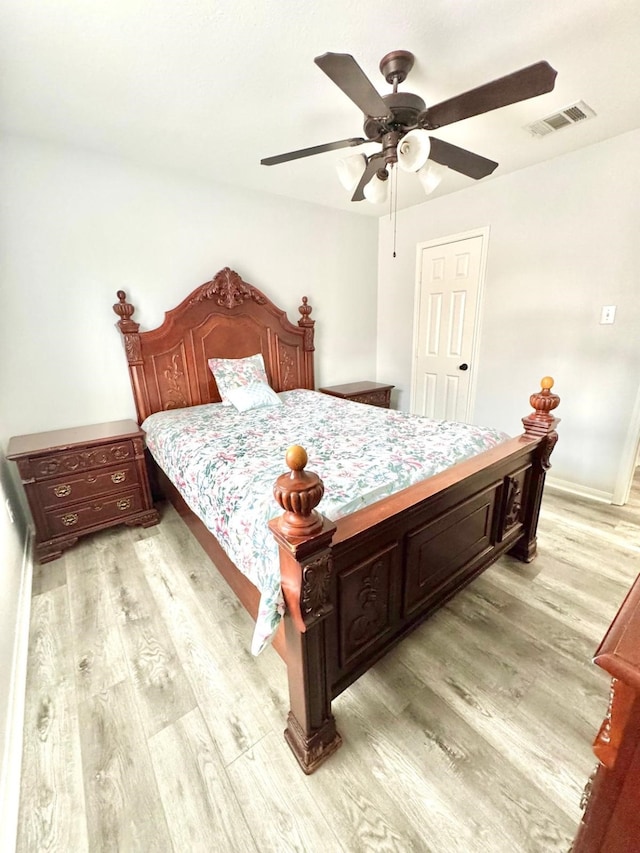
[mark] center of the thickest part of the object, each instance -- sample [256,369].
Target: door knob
[463,366]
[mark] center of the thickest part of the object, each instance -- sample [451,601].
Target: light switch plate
[608,314]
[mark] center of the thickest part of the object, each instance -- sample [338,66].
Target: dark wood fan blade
[348,76]
[460,160]
[308,152]
[526,83]
[375,163]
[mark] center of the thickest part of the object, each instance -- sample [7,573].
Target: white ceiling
[209,87]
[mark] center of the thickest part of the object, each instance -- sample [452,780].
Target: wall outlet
[608,314]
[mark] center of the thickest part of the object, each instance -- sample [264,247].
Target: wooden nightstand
[372,393]
[82,480]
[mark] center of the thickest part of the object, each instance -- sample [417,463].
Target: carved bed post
[129,329]
[539,424]
[304,539]
[305,322]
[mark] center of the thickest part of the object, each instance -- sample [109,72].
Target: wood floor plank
[615,526]
[209,585]
[163,689]
[391,683]
[280,802]
[554,759]
[534,619]
[429,811]
[521,811]
[521,661]
[566,605]
[51,815]
[202,811]
[580,553]
[99,659]
[123,806]
[575,568]
[215,676]
[266,674]
[47,576]
[265,678]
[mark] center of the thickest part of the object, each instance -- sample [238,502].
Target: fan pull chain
[394,189]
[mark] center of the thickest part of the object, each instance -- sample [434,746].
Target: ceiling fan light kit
[376,191]
[401,122]
[413,150]
[431,175]
[350,170]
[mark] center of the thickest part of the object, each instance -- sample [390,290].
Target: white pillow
[236,372]
[258,395]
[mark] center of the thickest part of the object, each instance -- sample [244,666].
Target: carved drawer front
[89,484]
[440,552]
[78,517]
[81,459]
[374,398]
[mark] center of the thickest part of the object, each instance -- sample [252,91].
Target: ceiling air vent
[566,117]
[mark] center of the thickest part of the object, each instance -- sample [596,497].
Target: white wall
[76,227]
[563,243]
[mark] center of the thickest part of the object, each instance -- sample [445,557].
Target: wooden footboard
[353,589]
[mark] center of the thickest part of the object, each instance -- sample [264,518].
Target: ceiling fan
[402,122]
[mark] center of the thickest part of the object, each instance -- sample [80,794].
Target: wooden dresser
[81,480]
[611,821]
[372,393]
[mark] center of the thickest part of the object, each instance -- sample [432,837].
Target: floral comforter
[224,463]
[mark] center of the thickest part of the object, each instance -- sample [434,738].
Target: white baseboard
[580,491]
[12,759]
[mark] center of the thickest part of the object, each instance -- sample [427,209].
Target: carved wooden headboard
[223,318]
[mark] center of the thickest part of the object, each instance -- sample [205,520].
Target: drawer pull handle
[123,503]
[70,518]
[62,491]
[119,477]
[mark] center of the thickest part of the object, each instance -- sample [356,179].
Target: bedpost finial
[296,457]
[544,401]
[541,421]
[298,493]
[305,309]
[125,310]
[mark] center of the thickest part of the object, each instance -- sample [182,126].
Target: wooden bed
[355,587]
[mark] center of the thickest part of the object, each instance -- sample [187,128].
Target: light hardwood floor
[150,727]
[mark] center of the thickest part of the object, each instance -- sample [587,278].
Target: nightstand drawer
[373,398]
[65,490]
[80,517]
[82,459]
[371,393]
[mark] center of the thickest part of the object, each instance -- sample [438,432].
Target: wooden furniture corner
[82,480]
[611,802]
[371,393]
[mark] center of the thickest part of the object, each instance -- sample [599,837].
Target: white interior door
[448,297]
